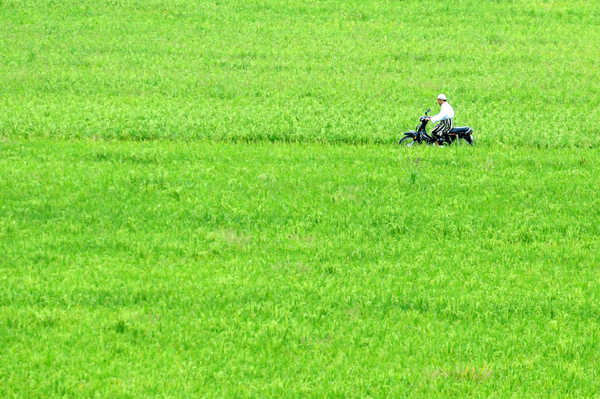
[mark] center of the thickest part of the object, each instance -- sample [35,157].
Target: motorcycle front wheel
[407,141]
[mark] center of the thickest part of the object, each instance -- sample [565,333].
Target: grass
[201,199]
[207,269]
[521,72]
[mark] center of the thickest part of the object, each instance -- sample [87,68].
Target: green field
[204,199]
[521,72]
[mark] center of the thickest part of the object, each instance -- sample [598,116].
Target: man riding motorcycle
[445,118]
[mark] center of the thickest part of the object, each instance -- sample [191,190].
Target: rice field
[205,199]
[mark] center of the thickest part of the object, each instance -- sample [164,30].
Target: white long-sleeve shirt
[447,112]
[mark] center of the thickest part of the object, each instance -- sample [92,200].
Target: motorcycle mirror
[428,110]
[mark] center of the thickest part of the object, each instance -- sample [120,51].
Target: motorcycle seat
[460,129]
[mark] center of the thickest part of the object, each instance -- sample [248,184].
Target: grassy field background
[202,199]
[520,72]
[173,269]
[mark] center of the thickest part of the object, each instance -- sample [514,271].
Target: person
[445,118]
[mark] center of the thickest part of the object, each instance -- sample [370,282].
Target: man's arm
[437,117]
[443,113]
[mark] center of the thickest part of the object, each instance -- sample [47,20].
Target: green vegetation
[521,71]
[171,269]
[202,199]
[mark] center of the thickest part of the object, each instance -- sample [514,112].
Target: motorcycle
[420,135]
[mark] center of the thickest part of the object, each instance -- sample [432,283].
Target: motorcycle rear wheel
[468,141]
[407,141]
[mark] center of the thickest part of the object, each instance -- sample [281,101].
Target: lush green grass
[269,241]
[519,71]
[175,269]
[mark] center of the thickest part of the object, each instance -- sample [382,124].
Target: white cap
[442,97]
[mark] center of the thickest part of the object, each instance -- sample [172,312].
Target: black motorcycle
[420,136]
